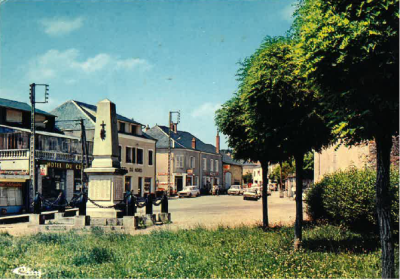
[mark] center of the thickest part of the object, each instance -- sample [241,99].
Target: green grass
[329,252]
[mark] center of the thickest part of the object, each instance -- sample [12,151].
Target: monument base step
[106,222]
[61,221]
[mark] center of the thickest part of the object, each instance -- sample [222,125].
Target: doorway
[179,183]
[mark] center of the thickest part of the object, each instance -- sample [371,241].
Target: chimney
[217,143]
[194,143]
[175,127]
[147,128]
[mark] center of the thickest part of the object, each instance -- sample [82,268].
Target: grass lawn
[329,252]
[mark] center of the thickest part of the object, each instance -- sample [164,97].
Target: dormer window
[121,127]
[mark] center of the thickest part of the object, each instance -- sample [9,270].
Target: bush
[348,198]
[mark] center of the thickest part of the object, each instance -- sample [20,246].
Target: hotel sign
[63,165]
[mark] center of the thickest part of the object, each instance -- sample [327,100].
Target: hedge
[348,198]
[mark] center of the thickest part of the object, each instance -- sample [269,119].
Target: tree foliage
[351,50]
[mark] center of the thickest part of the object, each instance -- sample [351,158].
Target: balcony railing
[14,154]
[42,155]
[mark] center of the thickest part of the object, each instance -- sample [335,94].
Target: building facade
[137,149]
[233,170]
[332,159]
[57,156]
[192,162]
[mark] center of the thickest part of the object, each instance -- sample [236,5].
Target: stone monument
[105,174]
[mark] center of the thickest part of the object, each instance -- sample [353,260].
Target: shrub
[348,198]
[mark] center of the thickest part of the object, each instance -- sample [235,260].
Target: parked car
[252,193]
[189,191]
[235,190]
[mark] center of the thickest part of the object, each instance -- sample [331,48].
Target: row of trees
[334,76]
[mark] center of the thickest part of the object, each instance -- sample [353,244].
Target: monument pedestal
[105,189]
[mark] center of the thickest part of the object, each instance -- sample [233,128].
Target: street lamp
[32,161]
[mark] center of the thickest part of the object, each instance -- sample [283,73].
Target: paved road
[211,211]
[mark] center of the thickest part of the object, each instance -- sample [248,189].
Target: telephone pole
[32,160]
[170,123]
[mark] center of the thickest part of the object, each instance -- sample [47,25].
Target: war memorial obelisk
[105,174]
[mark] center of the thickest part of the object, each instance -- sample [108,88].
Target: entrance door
[179,183]
[228,178]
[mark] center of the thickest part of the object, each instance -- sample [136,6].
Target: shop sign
[162,174]
[13,172]
[11,184]
[164,183]
[227,167]
[43,170]
[63,165]
[138,170]
[189,171]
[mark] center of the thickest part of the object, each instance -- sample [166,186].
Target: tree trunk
[264,166]
[383,204]
[299,159]
[281,189]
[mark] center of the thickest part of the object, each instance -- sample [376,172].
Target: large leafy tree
[247,142]
[283,107]
[350,49]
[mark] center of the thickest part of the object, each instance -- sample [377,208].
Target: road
[208,212]
[226,210]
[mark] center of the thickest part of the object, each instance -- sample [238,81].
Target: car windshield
[253,190]
[235,187]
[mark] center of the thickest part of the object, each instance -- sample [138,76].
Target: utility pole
[32,160]
[170,123]
[84,154]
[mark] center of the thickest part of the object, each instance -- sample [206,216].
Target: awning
[13,180]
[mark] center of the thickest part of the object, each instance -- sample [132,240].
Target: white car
[252,193]
[189,191]
[235,190]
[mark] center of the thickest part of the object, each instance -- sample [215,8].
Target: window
[179,161]
[196,181]
[128,157]
[128,183]
[211,165]
[139,156]
[204,164]
[192,162]
[133,155]
[147,185]
[216,166]
[140,186]
[120,153]
[150,157]
[121,127]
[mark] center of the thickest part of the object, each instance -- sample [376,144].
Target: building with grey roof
[137,149]
[193,162]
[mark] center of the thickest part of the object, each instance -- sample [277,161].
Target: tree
[279,107]
[248,178]
[289,167]
[247,142]
[350,50]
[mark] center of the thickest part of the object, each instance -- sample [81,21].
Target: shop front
[12,192]
[57,177]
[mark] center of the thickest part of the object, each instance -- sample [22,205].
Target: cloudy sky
[149,57]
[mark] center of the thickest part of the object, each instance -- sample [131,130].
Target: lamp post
[170,123]
[32,161]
